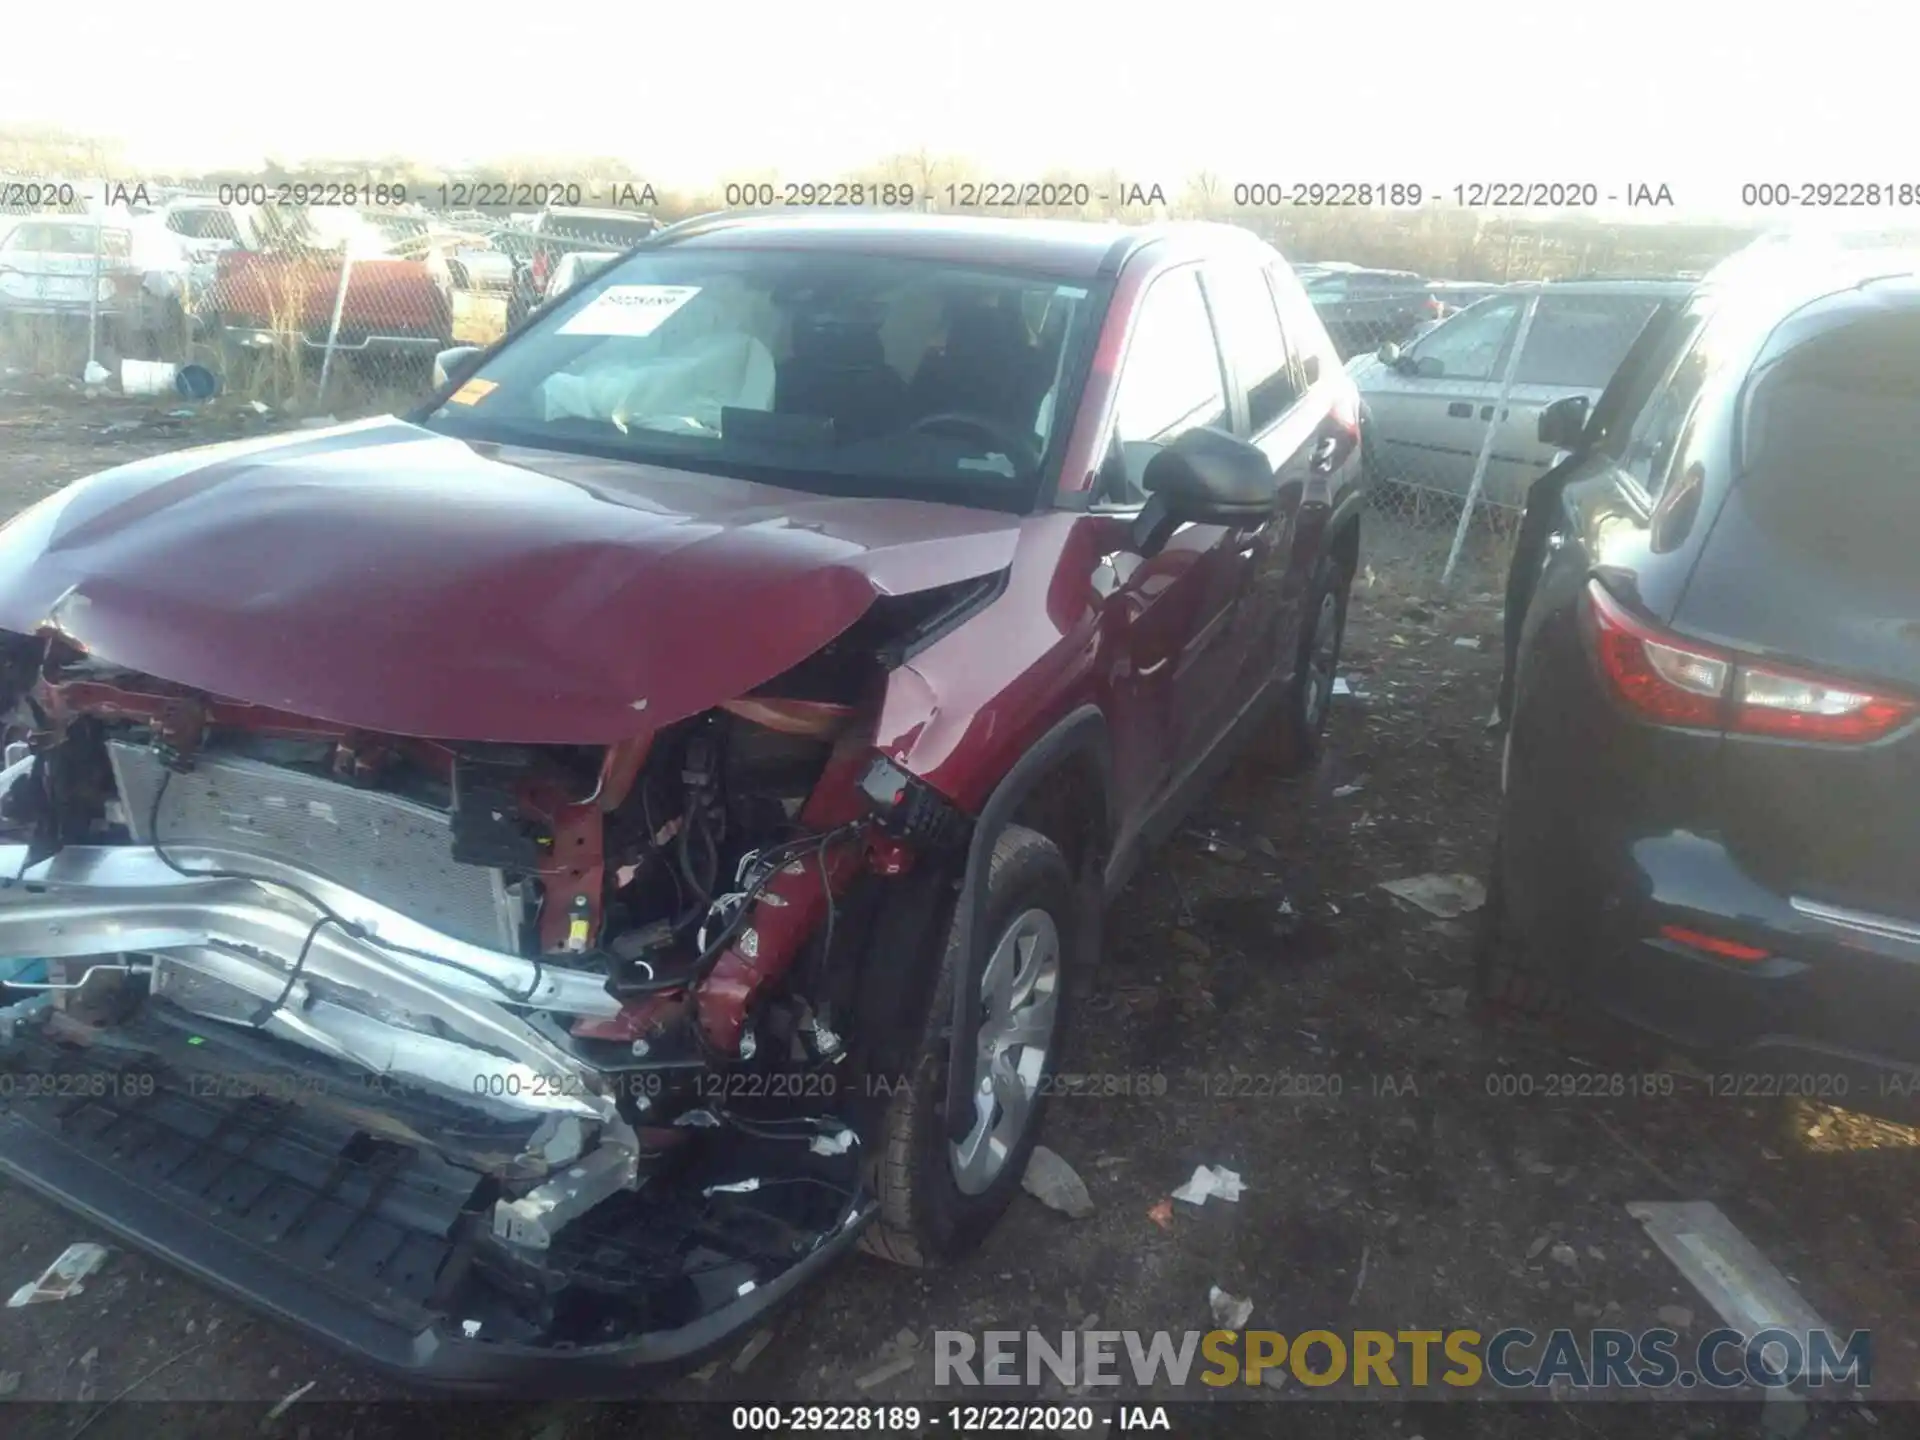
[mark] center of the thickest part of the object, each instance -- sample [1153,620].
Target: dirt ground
[1273,1011]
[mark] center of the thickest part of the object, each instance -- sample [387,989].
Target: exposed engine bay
[559,1044]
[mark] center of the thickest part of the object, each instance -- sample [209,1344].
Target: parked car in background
[64,268]
[560,229]
[1710,810]
[574,268]
[206,227]
[1363,309]
[683,767]
[397,300]
[1432,401]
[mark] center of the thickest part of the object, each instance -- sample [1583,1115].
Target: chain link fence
[307,304]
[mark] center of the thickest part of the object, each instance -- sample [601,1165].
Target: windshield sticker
[629,309]
[473,392]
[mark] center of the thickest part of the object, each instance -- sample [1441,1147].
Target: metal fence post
[93,297]
[1493,428]
[333,327]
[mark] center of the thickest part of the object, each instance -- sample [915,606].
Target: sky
[1690,94]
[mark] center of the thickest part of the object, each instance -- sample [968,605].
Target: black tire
[1309,693]
[926,1218]
[1509,981]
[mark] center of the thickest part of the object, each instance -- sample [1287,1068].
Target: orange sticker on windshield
[472,392]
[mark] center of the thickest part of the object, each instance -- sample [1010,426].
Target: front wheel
[940,1197]
[1309,695]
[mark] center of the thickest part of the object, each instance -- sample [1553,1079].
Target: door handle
[1460,410]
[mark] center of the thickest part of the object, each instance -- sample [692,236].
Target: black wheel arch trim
[1084,729]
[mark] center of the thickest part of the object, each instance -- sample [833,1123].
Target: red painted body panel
[387,579]
[296,294]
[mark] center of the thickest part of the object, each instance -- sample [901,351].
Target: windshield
[840,373]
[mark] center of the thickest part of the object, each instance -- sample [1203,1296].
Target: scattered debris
[9,1383]
[1221,849]
[1450,1003]
[95,373]
[86,1390]
[751,1351]
[1366,1253]
[1533,1250]
[1055,1184]
[63,1277]
[1447,896]
[1162,1214]
[1340,686]
[1679,1317]
[1230,1312]
[1340,792]
[1740,1283]
[1565,1254]
[1192,944]
[897,1366]
[1211,1180]
[285,1402]
[706,1372]
[1468,642]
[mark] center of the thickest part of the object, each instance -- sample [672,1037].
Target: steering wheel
[1017,447]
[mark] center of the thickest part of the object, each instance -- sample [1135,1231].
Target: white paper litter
[63,1277]
[1447,896]
[1230,1312]
[1340,686]
[1211,1180]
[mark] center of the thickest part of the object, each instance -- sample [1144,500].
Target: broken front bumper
[366,992]
[362,1250]
[364,1183]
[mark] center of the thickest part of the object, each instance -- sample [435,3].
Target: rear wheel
[1509,980]
[940,1197]
[1309,697]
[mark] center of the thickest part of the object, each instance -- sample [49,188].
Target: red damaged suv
[522,887]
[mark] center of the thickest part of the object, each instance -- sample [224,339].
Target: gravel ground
[1272,1010]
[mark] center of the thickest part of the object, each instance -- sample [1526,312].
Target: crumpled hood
[382,577]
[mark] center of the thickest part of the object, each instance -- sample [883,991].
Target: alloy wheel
[1020,1006]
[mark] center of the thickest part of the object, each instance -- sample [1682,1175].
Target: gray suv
[1430,404]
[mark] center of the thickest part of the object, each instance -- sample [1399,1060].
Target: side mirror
[454,365]
[1563,422]
[1208,477]
[1389,354]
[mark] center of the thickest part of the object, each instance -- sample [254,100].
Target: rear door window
[1577,341]
[1251,335]
[1830,451]
[1307,337]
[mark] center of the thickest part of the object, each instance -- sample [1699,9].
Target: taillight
[1780,702]
[1672,681]
[1652,674]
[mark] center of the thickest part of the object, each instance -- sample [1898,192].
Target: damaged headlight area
[536,1047]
